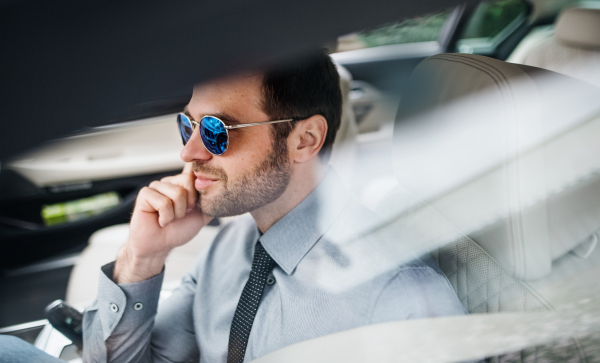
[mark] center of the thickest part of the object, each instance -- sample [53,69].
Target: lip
[203,182]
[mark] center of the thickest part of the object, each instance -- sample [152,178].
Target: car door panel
[133,148]
[25,239]
[119,158]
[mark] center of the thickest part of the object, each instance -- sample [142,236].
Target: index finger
[185,181]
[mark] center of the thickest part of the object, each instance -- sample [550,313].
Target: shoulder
[415,290]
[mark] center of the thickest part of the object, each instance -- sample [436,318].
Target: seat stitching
[484,285]
[516,185]
[467,64]
[500,73]
[517,220]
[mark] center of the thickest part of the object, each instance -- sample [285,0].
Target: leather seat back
[505,153]
[500,162]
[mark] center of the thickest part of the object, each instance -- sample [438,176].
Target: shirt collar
[288,241]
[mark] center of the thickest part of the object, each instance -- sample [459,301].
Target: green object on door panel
[74,210]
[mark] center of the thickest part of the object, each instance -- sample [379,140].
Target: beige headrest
[579,27]
[506,153]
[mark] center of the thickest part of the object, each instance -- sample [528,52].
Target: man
[295,270]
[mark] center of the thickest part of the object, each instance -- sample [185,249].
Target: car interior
[485,154]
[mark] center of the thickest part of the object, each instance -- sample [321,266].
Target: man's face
[255,170]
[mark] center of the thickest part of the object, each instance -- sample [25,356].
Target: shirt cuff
[128,304]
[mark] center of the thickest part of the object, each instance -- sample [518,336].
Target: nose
[194,150]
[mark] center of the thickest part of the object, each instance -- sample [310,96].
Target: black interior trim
[20,245]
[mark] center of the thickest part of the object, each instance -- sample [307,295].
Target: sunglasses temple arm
[256,124]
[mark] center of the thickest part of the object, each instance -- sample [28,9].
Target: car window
[490,24]
[420,29]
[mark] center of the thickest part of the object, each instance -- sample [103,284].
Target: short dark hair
[309,87]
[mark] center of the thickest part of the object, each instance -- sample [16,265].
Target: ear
[307,138]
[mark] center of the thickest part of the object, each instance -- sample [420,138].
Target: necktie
[262,264]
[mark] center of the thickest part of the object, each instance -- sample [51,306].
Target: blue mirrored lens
[185,128]
[213,135]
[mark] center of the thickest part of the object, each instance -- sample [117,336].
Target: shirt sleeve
[414,293]
[120,325]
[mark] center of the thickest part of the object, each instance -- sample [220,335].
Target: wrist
[133,267]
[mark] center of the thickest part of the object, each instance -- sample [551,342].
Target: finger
[152,201]
[188,168]
[177,194]
[185,181]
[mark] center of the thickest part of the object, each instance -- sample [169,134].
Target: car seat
[572,49]
[105,243]
[499,180]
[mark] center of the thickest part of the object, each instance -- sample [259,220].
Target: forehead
[239,96]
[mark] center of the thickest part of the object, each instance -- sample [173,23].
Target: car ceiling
[69,65]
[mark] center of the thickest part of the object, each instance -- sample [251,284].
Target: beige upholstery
[578,27]
[531,41]
[513,166]
[574,50]
[105,243]
[500,181]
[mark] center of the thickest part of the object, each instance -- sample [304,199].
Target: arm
[132,335]
[414,293]
[165,216]
[417,293]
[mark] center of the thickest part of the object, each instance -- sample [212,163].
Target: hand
[166,215]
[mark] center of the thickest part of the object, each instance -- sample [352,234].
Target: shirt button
[270,280]
[138,306]
[114,308]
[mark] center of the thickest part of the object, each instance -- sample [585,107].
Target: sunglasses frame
[227,128]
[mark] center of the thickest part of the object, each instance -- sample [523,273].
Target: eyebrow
[225,117]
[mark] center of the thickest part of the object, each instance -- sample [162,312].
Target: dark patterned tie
[248,304]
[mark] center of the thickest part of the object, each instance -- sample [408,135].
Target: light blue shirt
[330,276]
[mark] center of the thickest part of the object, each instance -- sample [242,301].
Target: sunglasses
[213,132]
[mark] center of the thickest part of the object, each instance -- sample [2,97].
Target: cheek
[247,149]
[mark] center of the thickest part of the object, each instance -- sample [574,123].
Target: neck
[305,178]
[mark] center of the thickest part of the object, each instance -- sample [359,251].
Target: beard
[257,188]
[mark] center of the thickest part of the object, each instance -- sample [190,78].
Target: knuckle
[165,203]
[180,193]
